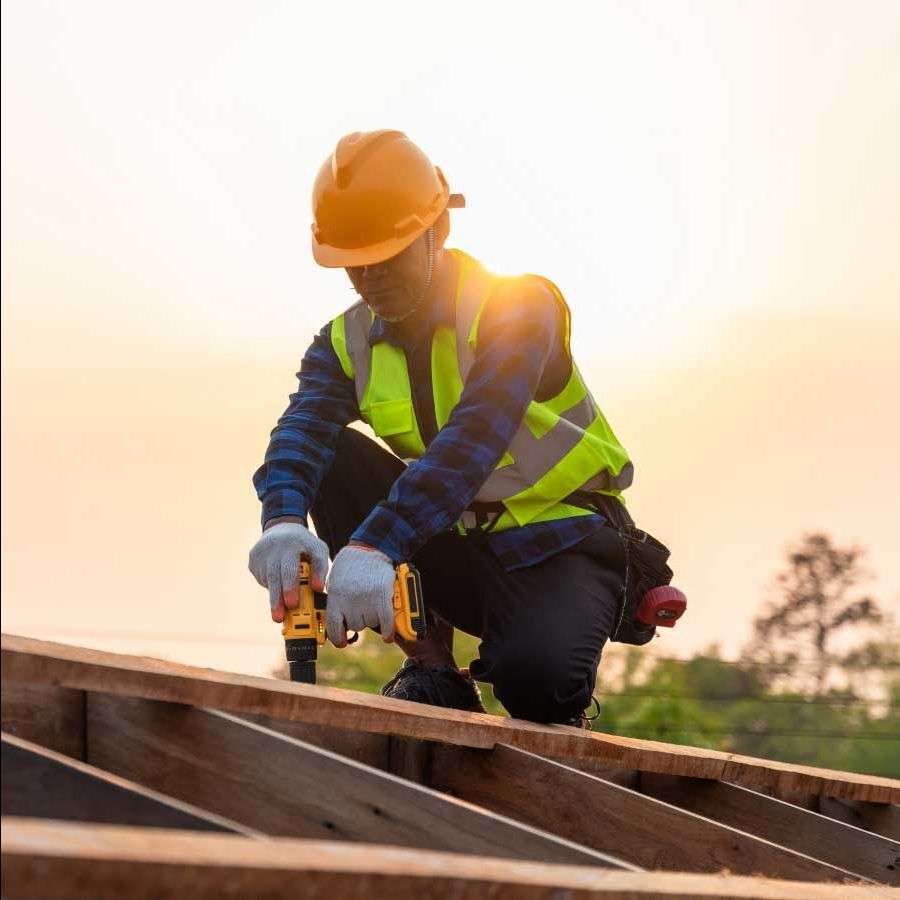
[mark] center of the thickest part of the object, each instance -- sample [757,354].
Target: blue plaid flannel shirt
[518,337]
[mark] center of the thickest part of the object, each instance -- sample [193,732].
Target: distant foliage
[707,701]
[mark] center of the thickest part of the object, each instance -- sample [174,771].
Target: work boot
[436,686]
[581,721]
[584,720]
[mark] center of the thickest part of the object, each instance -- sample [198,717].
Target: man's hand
[275,563]
[360,587]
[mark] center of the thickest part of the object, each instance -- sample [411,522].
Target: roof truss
[141,742]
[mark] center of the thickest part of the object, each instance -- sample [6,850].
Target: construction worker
[503,482]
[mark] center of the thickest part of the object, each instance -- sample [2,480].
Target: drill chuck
[301,658]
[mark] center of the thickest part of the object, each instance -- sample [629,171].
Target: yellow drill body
[308,619]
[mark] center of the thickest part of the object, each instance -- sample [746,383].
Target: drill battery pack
[410,619]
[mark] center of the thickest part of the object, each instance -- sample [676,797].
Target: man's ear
[441,229]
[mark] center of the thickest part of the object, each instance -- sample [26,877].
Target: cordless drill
[304,627]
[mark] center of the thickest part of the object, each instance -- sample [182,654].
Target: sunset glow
[714,187]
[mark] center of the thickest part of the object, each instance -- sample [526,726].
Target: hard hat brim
[341,258]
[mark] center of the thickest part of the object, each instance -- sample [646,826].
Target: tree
[818,600]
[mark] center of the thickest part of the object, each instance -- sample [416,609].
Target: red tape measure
[662,606]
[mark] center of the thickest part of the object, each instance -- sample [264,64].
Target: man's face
[391,288]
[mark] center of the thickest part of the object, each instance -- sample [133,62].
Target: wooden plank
[370,749]
[69,861]
[410,759]
[866,854]
[283,786]
[612,818]
[880,818]
[25,659]
[405,757]
[41,783]
[399,756]
[50,716]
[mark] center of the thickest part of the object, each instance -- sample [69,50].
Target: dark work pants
[542,627]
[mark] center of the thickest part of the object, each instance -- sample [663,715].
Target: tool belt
[646,558]
[482,516]
[646,566]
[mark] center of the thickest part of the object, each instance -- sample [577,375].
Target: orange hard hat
[373,197]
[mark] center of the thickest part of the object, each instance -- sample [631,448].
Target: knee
[540,686]
[353,447]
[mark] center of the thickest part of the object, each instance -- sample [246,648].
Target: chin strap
[429,273]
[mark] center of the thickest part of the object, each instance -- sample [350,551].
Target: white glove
[360,588]
[275,559]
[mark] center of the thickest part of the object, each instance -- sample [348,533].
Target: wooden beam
[399,756]
[41,783]
[25,659]
[44,714]
[861,852]
[370,749]
[612,818]
[880,818]
[410,758]
[803,822]
[44,860]
[282,786]
[54,717]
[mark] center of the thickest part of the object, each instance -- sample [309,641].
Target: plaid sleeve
[519,330]
[302,444]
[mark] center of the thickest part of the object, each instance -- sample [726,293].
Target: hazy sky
[714,186]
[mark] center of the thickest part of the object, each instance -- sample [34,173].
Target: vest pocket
[391,417]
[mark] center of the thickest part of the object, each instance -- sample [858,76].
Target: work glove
[360,588]
[275,563]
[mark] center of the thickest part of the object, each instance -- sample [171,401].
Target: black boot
[438,686]
[584,720]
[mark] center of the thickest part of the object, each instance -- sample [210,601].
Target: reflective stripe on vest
[385,401]
[564,444]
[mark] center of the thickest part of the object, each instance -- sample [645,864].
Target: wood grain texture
[44,714]
[67,861]
[880,818]
[410,759]
[866,854]
[612,818]
[41,783]
[283,786]
[370,749]
[28,660]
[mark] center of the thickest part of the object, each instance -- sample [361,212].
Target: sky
[713,186]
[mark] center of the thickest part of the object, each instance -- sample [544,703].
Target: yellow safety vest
[563,445]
